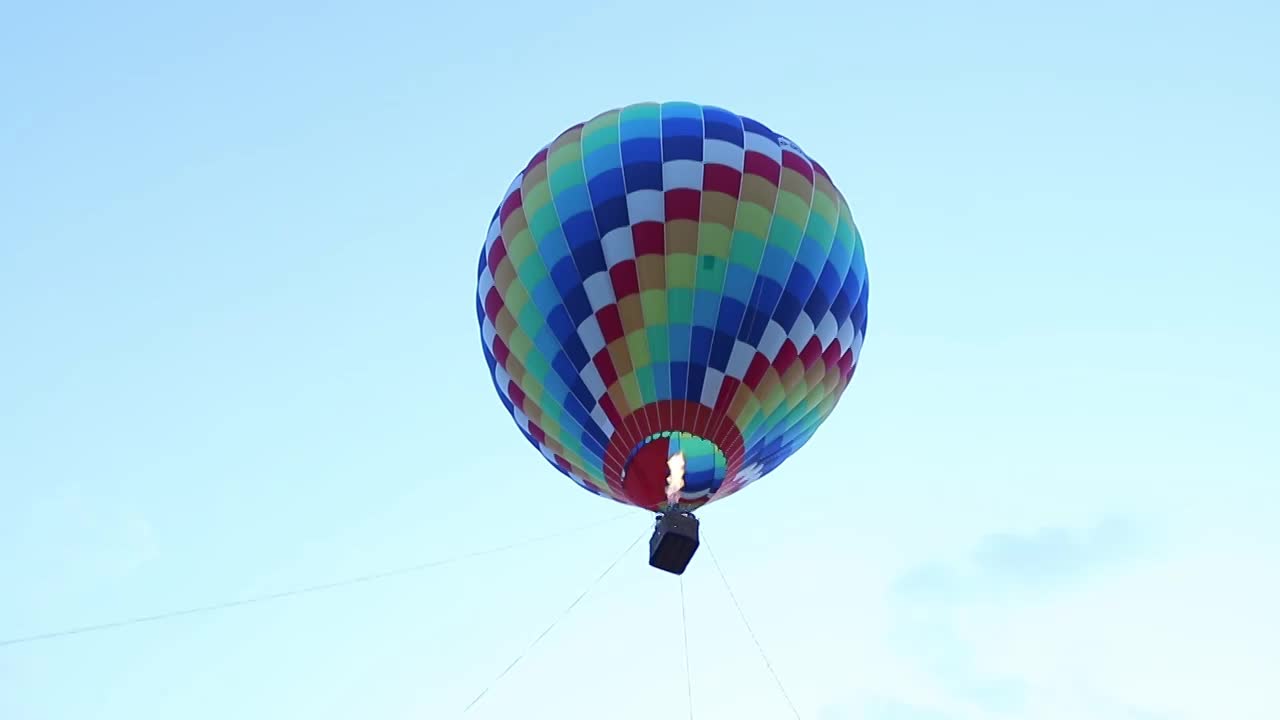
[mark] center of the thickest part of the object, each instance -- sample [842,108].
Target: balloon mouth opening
[647,474]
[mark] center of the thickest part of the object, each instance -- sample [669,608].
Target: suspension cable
[307,590]
[555,622]
[751,632]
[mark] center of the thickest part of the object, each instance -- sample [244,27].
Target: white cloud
[1189,637]
[1185,635]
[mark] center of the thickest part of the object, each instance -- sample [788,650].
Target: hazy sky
[238,355]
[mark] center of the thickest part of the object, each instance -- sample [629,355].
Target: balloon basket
[674,541]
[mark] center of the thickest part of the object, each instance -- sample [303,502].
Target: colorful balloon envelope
[671,279]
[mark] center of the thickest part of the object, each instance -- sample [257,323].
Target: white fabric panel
[618,245]
[802,331]
[711,387]
[723,152]
[740,360]
[827,330]
[682,174]
[772,340]
[592,336]
[763,145]
[599,289]
[645,205]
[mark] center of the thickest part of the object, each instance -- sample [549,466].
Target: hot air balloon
[672,298]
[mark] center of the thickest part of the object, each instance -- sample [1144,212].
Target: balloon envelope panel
[671,277]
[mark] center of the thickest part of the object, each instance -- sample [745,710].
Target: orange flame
[675,481]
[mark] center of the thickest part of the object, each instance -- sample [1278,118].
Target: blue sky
[237,252]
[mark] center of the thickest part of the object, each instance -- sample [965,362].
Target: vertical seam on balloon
[520,405]
[622,430]
[622,411]
[804,234]
[549,404]
[717,423]
[577,269]
[595,220]
[759,413]
[747,304]
[530,406]
[639,295]
[795,261]
[693,291]
[668,422]
[649,323]
[564,403]
[805,416]
[746,313]
[852,268]
[518,188]
[542,407]
[644,315]
[569,248]
[747,309]
[664,422]
[720,291]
